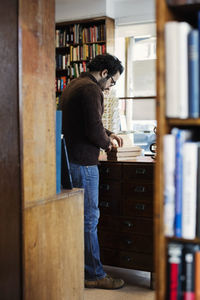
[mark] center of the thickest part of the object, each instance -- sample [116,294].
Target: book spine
[183,31]
[193,73]
[169,183]
[188,274]
[189,190]
[171,57]
[174,269]
[197,275]
[198,195]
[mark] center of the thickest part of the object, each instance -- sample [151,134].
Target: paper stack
[124,153]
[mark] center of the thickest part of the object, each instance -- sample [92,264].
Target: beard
[102,83]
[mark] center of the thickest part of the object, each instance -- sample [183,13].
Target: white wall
[134,11]
[79,9]
[123,11]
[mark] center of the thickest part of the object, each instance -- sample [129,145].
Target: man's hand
[115,138]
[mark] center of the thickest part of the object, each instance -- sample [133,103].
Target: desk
[126,213]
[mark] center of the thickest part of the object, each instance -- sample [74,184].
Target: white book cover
[169,141]
[176,59]
[183,100]
[190,165]
[171,76]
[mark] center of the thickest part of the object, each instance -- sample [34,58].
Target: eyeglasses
[113,82]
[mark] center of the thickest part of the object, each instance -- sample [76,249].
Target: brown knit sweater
[82,106]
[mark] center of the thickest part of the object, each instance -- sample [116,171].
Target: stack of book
[182,70]
[183,271]
[124,153]
[182,184]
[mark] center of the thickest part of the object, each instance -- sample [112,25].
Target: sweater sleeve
[92,108]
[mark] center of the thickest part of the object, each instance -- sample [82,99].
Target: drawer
[138,190]
[124,241]
[143,262]
[109,257]
[138,171]
[110,171]
[110,189]
[110,197]
[137,208]
[141,226]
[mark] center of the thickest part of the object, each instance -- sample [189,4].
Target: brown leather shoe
[105,283]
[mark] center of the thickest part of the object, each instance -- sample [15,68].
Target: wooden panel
[10,190]
[37,98]
[53,249]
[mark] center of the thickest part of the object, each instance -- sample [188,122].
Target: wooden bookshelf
[77,42]
[164,13]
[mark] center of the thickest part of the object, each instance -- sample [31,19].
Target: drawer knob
[140,206]
[128,242]
[128,224]
[140,171]
[127,258]
[139,189]
[104,204]
[107,170]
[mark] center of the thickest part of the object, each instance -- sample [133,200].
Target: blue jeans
[87,177]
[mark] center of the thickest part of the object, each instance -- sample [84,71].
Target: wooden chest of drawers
[126,214]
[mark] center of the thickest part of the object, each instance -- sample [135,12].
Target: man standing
[82,104]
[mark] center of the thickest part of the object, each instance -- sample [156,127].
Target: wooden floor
[137,286]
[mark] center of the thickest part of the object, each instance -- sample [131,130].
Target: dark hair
[106,61]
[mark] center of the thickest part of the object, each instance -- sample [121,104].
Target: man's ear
[104,73]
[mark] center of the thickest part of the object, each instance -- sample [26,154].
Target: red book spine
[173,281]
[189,296]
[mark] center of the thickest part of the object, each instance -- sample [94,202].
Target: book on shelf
[197,274]
[176,49]
[198,196]
[181,137]
[169,183]
[188,271]
[189,198]
[193,73]
[174,271]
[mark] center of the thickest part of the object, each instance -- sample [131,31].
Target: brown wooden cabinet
[126,214]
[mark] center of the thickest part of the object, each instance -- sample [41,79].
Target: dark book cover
[66,178]
[174,270]
[188,272]
[193,73]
